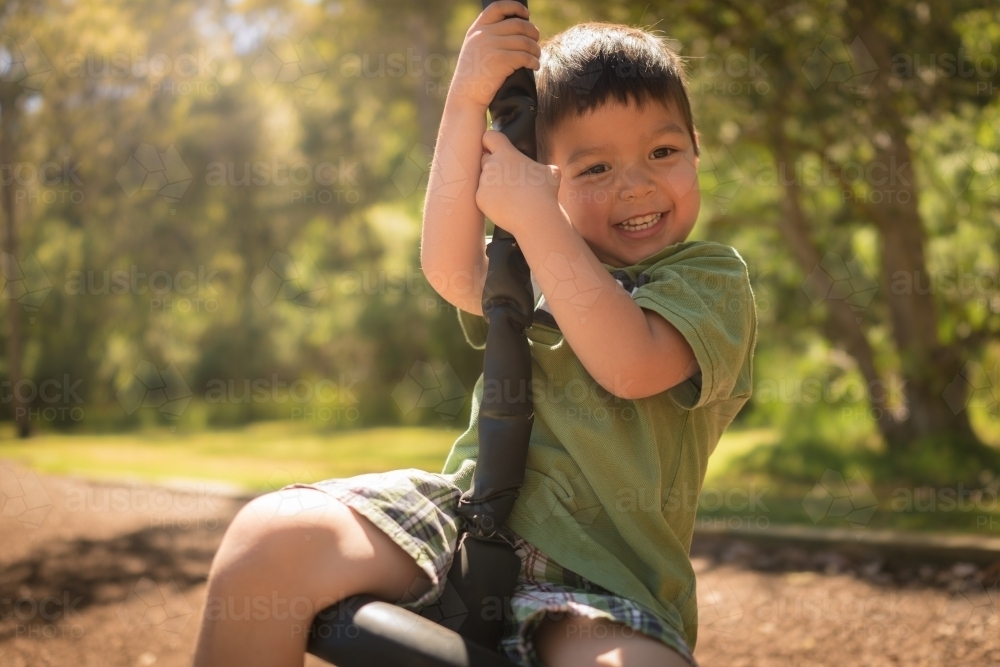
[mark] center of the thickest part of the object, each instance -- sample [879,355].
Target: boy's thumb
[492,140]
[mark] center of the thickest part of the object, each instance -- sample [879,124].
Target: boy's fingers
[521,59]
[517,26]
[519,43]
[498,11]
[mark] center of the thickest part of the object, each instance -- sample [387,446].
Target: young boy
[641,346]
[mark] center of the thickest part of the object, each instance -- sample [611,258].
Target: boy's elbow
[650,376]
[451,287]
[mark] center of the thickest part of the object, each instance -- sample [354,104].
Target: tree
[854,85]
[24,72]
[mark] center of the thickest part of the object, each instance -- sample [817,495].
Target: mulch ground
[113,575]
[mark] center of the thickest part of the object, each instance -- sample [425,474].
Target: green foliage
[306,130]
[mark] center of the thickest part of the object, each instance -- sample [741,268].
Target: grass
[814,484]
[253,458]
[267,455]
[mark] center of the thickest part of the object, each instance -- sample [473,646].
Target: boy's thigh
[574,641]
[321,537]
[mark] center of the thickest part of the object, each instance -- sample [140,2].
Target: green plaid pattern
[417,509]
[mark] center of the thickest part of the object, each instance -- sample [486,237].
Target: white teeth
[641,222]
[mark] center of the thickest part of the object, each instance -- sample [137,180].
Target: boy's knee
[574,641]
[271,531]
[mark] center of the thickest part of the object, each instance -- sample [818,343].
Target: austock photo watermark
[847,615]
[858,398]
[48,400]
[47,617]
[730,74]
[162,172]
[291,62]
[849,63]
[24,282]
[23,497]
[24,63]
[189,506]
[853,501]
[192,73]
[438,387]
[52,182]
[288,279]
[979,66]
[434,69]
[850,280]
[306,183]
[162,606]
[725,507]
[183,291]
[324,399]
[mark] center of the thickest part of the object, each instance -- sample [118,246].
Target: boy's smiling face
[622,164]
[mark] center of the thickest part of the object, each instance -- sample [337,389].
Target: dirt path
[113,575]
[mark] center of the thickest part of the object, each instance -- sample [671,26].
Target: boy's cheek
[683,178]
[586,196]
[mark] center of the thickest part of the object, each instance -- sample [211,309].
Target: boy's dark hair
[591,64]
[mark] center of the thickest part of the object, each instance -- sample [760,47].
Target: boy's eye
[600,169]
[662,150]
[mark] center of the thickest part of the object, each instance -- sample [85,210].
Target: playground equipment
[362,631]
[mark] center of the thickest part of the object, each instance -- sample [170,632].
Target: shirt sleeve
[704,291]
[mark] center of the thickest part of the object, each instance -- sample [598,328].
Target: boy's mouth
[641,225]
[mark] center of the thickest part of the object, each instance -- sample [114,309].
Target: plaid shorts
[417,510]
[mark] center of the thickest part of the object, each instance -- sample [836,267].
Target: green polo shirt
[612,485]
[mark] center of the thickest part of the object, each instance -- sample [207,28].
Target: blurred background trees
[208,205]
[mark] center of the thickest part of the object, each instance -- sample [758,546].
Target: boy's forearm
[605,328]
[452,244]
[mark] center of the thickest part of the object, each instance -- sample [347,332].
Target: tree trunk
[8,123]
[893,205]
[929,369]
[842,320]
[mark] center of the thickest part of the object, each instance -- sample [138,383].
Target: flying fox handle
[506,414]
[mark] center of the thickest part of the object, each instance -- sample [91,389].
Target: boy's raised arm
[452,244]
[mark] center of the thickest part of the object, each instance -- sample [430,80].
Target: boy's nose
[636,183]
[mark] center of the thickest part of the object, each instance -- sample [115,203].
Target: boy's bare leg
[585,642]
[286,556]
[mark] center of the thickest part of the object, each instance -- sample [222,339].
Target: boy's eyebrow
[583,151]
[667,128]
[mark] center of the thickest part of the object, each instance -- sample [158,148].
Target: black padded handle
[506,415]
[366,632]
